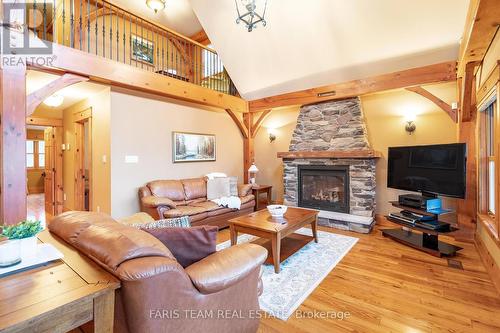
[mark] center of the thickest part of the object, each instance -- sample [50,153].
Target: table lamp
[252,171]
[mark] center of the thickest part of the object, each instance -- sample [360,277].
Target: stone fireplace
[330,165]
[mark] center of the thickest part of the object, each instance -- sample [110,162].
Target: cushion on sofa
[188,245]
[247,198]
[206,205]
[218,188]
[244,189]
[183,211]
[171,189]
[194,188]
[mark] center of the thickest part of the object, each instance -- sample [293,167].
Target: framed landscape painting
[143,50]
[193,147]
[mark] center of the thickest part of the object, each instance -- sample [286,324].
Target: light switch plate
[131,159]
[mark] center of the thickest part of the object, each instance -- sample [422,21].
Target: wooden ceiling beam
[258,124]
[241,126]
[35,98]
[107,71]
[442,72]
[201,37]
[436,100]
[483,21]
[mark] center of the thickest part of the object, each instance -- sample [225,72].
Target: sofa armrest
[225,268]
[153,202]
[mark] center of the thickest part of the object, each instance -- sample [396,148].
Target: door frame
[79,119]
[57,125]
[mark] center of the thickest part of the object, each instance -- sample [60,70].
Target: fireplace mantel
[354,153]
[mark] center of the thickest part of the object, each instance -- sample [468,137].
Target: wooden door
[83,160]
[49,179]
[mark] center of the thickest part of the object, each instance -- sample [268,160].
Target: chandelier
[251,18]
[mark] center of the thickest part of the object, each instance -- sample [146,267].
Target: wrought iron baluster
[54,25]
[110,32]
[157,46]
[142,39]
[162,53]
[118,35]
[34,17]
[130,39]
[72,23]
[124,37]
[96,29]
[88,26]
[80,25]
[44,20]
[103,29]
[63,20]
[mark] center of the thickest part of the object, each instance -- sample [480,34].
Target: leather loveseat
[218,293]
[188,197]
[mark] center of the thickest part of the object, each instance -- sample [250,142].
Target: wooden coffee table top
[262,220]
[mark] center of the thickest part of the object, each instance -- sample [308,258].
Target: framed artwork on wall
[193,147]
[142,50]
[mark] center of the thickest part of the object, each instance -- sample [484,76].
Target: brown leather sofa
[218,293]
[188,197]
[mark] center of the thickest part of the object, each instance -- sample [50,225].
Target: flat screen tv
[433,169]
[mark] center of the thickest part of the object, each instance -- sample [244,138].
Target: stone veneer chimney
[335,126]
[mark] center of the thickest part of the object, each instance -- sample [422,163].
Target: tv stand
[424,239]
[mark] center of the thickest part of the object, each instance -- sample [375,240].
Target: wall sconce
[410,126]
[272,134]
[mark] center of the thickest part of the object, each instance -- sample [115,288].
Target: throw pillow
[233,186]
[218,188]
[244,189]
[178,222]
[188,245]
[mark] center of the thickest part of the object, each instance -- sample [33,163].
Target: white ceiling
[313,43]
[177,15]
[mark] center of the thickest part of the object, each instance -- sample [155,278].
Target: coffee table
[279,238]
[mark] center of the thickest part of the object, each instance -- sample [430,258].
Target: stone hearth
[336,126]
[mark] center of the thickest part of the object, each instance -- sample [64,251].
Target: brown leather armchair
[218,293]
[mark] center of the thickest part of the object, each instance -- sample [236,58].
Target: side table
[257,190]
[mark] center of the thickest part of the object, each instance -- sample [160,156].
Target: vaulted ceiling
[177,15]
[313,43]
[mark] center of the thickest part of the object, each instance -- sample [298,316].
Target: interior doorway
[83,160]
[44,168]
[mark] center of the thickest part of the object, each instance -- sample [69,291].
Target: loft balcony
[109,31]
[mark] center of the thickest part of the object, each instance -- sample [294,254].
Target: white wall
[143,127]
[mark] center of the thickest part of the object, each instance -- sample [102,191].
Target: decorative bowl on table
[277,210]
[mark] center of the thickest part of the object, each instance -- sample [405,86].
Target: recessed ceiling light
[155,5]
[54,100]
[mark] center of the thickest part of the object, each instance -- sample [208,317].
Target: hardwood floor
[36,207]
[389,287]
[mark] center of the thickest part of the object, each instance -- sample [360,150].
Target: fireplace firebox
[324,187]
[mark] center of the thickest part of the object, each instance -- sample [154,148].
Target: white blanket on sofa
[229,202]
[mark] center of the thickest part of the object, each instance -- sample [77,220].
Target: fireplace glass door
[324,187]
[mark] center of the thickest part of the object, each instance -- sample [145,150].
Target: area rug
[300,273]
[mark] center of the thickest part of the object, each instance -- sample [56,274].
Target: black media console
[428,229]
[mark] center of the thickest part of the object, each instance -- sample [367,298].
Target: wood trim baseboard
[491,266]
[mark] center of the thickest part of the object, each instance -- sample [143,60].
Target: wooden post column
[248,149]
[13,144]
